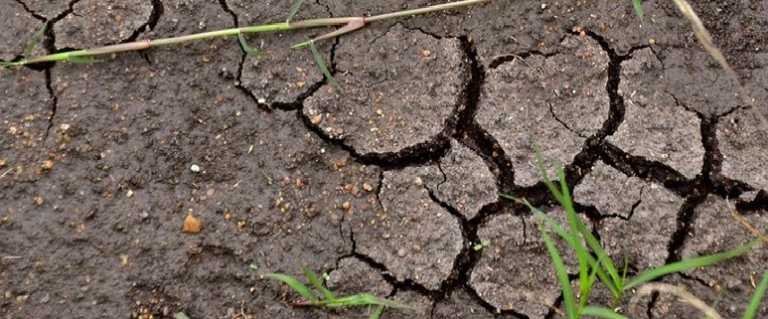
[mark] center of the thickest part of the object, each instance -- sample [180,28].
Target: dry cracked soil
[389,185]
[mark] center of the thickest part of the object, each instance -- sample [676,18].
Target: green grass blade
[575,242]
[296,285]
[294,9]
[180,315]
[82,59]
[687,264]
[377,311]
[322,65]
[757,298]
[638,7]
[247,48]
[587,291]
[562,275]
[601,312]
[363,299]
[315,281]
[577,225]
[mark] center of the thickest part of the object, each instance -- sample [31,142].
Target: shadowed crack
[421,153]
[154,17]
[685,219]
[30,11]
[54,102]
[518,56]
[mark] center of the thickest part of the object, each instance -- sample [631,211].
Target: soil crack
[31,12]
[54,102]
[154,17]
[497,62]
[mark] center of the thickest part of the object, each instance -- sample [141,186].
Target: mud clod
[515,105]
[392,96]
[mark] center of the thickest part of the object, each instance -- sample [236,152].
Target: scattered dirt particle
[47,165]
[39,201]
[316,119]
[367,187]
[339,164]
[192,224]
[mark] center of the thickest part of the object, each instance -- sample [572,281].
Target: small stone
[64,127]
[47,165]
[194,168]
[124,260]
[192,225]
[129,193]
[401,252]
[2,162]
[340,163]
[316,119]
[346,205]
[367,187]
[38,200]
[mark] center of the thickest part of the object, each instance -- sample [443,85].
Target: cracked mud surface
[388,185]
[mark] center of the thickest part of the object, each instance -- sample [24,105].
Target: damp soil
[389,183]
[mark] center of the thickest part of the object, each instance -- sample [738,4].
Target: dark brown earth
[389,185]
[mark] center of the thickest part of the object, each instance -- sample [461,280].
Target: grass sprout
[325,298]
[593,261]
[247,48]
[638,4]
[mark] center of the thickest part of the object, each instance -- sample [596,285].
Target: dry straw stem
[677,291]
[706,41]
[350,23]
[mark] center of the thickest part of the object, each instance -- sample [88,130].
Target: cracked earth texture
[388,185]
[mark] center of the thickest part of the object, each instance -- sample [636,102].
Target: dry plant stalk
[678,292]
[348,24]
[705,38]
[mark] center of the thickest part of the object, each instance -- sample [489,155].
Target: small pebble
[192,225]
[194,168]
[367,187]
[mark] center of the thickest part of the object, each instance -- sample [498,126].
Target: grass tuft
[594,262]
[329,299]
